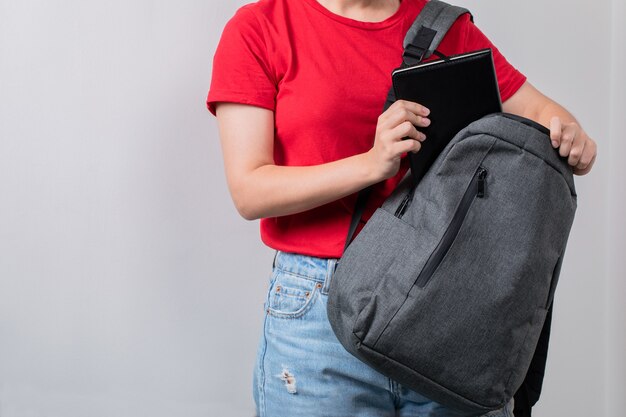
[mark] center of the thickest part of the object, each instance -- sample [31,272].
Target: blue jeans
[303,371]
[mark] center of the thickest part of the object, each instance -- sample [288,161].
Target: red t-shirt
[326,78]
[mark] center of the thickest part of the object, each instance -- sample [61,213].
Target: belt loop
[274,261]
[330,269]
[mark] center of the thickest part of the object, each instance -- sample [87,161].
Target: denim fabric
[303,370]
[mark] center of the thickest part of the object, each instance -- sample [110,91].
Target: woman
[297,88]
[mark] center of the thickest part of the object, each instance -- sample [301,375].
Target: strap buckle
[416,50]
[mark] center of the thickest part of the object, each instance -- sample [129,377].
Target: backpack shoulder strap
[429,29]
[421,40]
[425,34]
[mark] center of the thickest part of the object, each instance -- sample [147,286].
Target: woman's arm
[565,132]
[260,188]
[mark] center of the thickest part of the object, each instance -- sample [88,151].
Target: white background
[130,287]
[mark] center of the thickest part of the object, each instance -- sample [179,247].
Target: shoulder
[260,12]
[245,18]
[455,40]
[252,23]
[265,21]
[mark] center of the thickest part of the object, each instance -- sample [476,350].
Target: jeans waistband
[308,267]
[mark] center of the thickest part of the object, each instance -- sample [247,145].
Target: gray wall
[130,287]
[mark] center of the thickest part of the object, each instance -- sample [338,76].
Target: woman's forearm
[271,190]
[260,188]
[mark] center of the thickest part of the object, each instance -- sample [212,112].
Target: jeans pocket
[291,296]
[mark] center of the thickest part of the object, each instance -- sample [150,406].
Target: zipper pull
[406,202]
[482,174]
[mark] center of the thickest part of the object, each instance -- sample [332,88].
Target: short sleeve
[241,70]
[509,78]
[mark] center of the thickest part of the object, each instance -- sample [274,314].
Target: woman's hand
[396,135]
[565,133]
[573,143]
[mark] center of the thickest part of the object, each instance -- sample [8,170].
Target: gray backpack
[447,287]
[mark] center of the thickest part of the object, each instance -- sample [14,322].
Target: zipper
[475,189]
[406,202]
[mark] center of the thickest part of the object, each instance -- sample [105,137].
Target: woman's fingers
[412,106]
[402,111]
[406,132]
[568,135]
[574,144]
[392,137]
[396,134]
[403,115]
[555,131]
[408,145]
[578,148]
[582,168]
[587,158]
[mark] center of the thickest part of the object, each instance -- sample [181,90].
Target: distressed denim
[303,371]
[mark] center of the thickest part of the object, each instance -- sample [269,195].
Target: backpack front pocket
[475,189]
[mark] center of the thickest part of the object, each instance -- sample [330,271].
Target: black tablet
[457,90]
